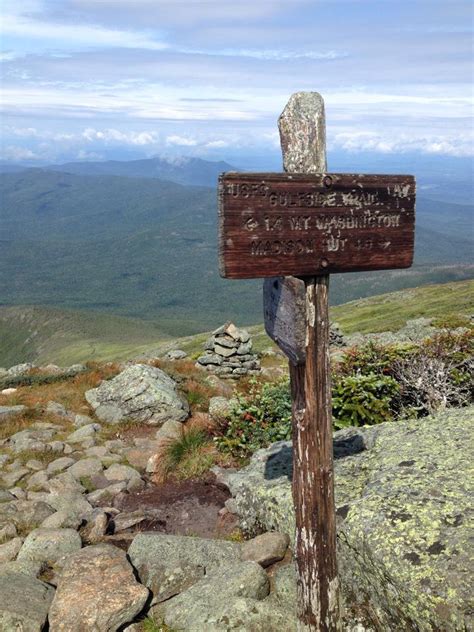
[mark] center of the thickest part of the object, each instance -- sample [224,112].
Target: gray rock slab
[55,408]
[226,341]
[61,520]
[169,430]
[50,545]
[285,586]
[176,354]
[65,483]
[9,479]
[169,563]
[245,348]
[99,495]
[71,502]
[403,497]
[20,369]
[24,602]
[82,420]
[244,615]
[5,497]
[203,605]
[138,457]
[97,590]
[225,352]
[83,433]
[86,467]
[9,550]
[29,514]
[59,465]
[117,473]
[140,392]
[8,412]
[210,359]
[219,407]
[38,481]
[266,549]
[34,464]
[126,520]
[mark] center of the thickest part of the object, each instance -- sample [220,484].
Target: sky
[101,79]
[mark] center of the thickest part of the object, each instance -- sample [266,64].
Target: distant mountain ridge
[188,171]
[147,248]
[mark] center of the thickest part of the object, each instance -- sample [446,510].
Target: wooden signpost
[308,223]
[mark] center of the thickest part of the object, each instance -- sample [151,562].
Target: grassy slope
[44,334]
[64,337]
[389,312]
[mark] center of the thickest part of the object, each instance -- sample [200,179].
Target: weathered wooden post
[303,140]
[309,223]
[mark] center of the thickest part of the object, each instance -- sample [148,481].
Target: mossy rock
[404,509]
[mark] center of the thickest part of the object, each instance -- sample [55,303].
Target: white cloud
[70,35]
[393,142]
[114,135]
[269,54]
[19,154]
[89,155]
[181,141]
[217,144]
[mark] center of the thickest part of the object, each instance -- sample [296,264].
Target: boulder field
[76,554]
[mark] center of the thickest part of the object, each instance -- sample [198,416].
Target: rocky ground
[92,539]
[87,540]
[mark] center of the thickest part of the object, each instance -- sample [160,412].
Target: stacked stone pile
[229,353]
[336,338]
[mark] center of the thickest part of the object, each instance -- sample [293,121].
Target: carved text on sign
[304,224]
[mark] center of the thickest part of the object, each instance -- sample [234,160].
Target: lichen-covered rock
[140,392]
[204,606]
[176,354]
[9,550]
[20,369]
[167,564]
[86,467]
[116,473]
[49,545]
[24,602]
[96,590]
[83,433]
[7,412]
[404,510]
[219,407]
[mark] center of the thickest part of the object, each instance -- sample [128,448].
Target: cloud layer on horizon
[82,79]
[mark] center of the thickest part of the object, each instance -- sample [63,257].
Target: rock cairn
[336,338]
[228,353]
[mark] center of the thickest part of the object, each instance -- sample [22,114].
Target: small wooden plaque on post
[284,304]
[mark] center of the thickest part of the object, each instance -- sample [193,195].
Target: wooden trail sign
[308,223]
[302,224]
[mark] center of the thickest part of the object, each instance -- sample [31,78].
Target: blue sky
[95,79]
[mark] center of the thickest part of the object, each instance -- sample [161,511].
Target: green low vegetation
[371,384]
[187,456]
